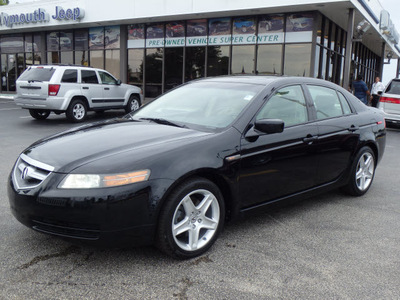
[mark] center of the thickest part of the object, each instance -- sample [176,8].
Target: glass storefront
[160,56]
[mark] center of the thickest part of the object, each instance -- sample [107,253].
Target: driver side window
[287,104]
[107,78]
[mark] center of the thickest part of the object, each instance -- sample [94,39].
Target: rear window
[393,87]
[37,74]
[70,76]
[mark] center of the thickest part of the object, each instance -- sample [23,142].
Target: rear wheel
[76,111]
[362,172]
[191,219]
[39,114]
[133,104]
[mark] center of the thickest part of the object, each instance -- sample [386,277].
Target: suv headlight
[92,181]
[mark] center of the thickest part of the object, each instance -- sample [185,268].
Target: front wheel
[133,104]
[76,111]
[39,114]
[362,172]
[191,219]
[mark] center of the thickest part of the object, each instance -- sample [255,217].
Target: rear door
[338,132]
[33,83]
[91,88]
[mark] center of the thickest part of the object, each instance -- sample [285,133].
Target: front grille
[67,230]
[29,173]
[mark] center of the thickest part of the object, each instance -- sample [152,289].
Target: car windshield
[37,74]
[393,88]
[201,105]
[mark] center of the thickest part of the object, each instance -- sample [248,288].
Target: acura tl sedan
[172,172]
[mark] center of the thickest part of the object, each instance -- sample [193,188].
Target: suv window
[326,102]
[107,78]
[89,76]
[70,76]
[287,104]
[393,87]
[37,74]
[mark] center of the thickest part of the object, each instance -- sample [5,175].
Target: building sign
[40,15]
[264,29]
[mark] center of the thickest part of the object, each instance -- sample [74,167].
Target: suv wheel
[133,104]
[39,114]
[76,111]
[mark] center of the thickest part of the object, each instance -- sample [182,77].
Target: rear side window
[70,76]
[345,105]
[37,74]
[326,102]
[89,76]
[393,87]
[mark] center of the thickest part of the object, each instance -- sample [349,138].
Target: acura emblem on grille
[26,172]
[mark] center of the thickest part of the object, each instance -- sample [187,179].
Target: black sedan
[173,171]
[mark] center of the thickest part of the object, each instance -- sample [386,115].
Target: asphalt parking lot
[328,247]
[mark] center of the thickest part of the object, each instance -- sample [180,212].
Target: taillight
[390,100]
[53,89]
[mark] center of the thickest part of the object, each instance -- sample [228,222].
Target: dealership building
[159,44]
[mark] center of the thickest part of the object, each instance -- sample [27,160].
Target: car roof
[266,80]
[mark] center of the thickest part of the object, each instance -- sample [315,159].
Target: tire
[39,114]
[106,41]
[133,104]
[191,219]
[362,172]
[76,111]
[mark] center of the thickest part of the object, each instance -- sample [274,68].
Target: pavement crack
[67,251]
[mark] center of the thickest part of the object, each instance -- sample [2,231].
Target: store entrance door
[8,72]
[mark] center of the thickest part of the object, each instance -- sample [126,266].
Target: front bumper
[125,214]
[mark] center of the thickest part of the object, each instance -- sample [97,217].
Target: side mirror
[269,126]
[265,126]
[119,82]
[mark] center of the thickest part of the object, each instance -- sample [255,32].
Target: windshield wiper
[163,121]
[34,80]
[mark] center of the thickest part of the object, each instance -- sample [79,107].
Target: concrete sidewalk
[7,96]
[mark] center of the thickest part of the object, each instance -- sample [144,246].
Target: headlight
[92,181]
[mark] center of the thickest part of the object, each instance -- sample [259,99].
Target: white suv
[73,90]
[389,102]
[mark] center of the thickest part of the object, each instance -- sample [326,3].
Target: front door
[279,164]
[8,72]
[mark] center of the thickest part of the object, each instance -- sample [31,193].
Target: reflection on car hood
[71,149]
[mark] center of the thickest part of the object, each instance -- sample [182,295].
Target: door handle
[309,139]
[106,89]
[85,87]
[353,128]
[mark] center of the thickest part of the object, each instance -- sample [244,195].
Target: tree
[4,2]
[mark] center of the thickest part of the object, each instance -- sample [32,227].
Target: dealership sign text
[40,15]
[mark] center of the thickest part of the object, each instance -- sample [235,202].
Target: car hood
[71,149]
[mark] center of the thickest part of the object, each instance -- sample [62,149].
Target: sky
[389,70]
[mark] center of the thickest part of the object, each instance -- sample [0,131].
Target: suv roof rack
[61,65]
